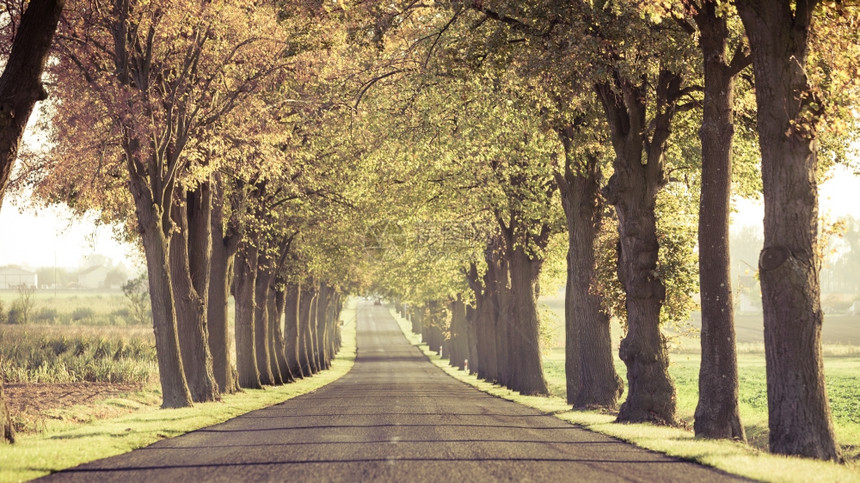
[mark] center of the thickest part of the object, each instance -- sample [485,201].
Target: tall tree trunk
[589,369]
[798,410]
[21,81]
[473,361]
[717,414]
[306,302]
[20,89]
[459,334]
[291,329]
[245,278]
[7,430]
[155,226]
[277,306]
[322,319]
[313,350]
[591,377]
[501,318]
[220,270]
[268,370]
[190,305]
[633,189]
[485,317]
[527,373]
[272,317]
[334,323]
[174,386]
[416,319]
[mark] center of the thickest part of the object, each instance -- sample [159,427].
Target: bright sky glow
[36,238]
[838,197]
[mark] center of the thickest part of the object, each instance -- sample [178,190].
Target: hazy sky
[35,238]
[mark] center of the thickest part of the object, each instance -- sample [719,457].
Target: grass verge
[69,445]
[732,457]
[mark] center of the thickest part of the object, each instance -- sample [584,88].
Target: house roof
[15,271]
[92,269]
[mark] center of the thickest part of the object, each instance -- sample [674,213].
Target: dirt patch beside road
[33,406]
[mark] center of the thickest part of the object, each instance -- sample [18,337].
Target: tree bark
[245,279]
[223,253]
[633,189]
[416,319]
[21,82]
[459,334]
[265,361]
[277,307]
[526,374]
[313,349]
[590,373]
[506,353]
[156,247]
[717,413]
[473,361]
[322,321]
[291,329]
[190,305]
[306,302]
[798,410]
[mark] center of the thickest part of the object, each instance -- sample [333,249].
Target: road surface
[393,417]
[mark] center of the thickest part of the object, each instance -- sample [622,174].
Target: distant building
[93,277]
[11,277]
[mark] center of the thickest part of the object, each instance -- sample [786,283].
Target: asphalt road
[394,417]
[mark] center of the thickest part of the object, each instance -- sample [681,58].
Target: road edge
[731,457]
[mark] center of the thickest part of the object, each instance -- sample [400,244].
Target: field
[74,307]
[79,358]
[841,366]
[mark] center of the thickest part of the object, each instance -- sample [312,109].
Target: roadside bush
[3,317]
[46,315]
[81,313]
[17,314]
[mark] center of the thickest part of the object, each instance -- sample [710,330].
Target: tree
[789,109]
[159,79]
[628,98]
[717,414]
[137,297]
[20,88]
[589,369]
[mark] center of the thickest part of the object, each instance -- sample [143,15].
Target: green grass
[733,457]
[842,389]
[66,445]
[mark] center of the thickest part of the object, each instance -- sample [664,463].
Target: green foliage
[677,209]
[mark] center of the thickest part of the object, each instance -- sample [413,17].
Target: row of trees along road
[441,154]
